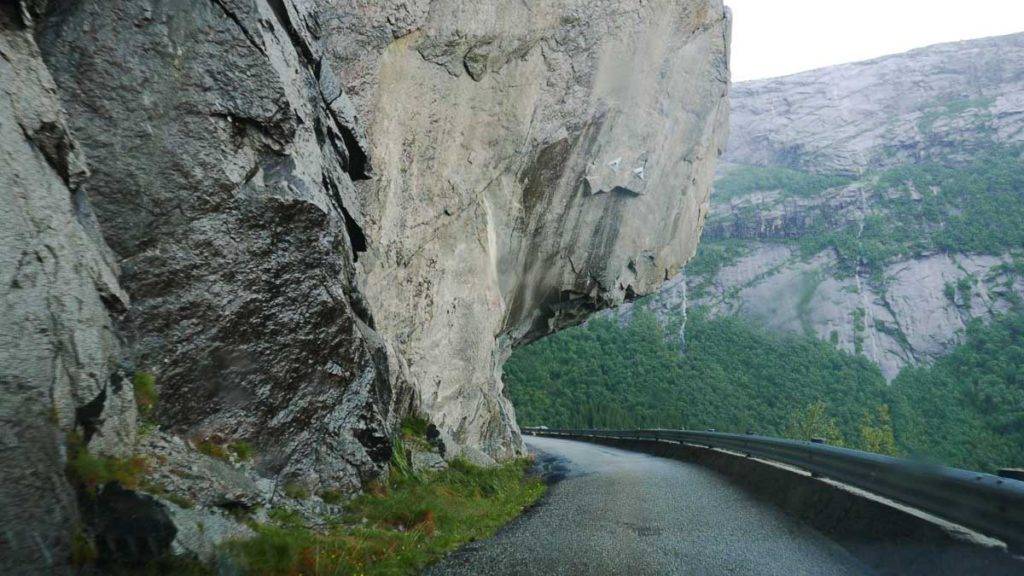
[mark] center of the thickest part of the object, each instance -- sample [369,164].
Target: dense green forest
[966,410]
[975,208]
[742,180]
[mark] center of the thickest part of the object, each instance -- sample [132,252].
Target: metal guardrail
[992,505]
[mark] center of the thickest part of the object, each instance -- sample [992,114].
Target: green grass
[409,523]
[951,109]
[90,471]
[296,490]
[414,426]
[146,395]
[212,449]
[241,449]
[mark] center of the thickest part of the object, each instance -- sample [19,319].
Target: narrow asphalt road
[612,511]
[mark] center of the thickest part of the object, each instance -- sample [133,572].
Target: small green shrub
[414,426]
[241,449]
[90,472]
[212,449]
[334,497]
[296,490]
[146,394]
[949,290]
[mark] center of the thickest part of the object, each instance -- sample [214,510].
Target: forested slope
[967,410]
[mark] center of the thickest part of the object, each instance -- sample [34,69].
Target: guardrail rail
[989,504]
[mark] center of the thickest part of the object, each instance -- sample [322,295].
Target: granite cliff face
[943,102]
[872,204]
[309,218]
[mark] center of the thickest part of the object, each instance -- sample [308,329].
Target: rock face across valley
[309,218]
[943,102]
[825,215]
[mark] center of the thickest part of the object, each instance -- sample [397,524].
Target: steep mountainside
[305,219]
[860,277]
[878,205]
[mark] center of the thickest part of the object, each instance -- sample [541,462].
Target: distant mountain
[941,103]
[878,205]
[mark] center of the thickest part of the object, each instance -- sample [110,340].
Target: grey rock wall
[910,320]
[60,354]
[308,218]
[570,177]
[948,103]
[940,102]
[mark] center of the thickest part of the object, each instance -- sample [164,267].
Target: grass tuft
[90,471]
[333,497]
[212,449]
[146,395]
[296,490]
[83,550]
[414,427]
[241,449]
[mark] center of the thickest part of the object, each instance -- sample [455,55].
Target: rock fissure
[238,22]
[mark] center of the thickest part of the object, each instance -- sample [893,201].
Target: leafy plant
[876,433]
[813,422]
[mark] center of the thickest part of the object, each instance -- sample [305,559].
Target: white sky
[779,37]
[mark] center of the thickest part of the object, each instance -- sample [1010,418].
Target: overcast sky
[779,37]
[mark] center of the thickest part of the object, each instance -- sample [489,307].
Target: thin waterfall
[682,325]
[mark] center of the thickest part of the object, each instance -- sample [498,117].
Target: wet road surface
[612,511]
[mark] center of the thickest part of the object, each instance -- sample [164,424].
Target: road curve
[611,511]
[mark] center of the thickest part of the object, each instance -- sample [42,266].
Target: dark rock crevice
[238,22]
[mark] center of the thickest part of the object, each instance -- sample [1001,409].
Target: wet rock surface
[308,218]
